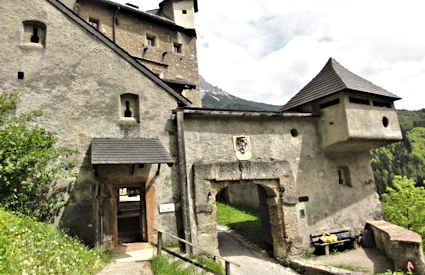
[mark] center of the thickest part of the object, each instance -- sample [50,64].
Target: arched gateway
[276,179]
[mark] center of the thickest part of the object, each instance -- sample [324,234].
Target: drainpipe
[114,23]
[185,195]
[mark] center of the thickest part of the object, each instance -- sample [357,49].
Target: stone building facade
[164,40]
[142,144]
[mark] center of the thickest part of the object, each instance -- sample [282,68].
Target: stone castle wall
[130,34]
[77,81]
[330,205]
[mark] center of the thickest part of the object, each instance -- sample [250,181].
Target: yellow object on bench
[329,238]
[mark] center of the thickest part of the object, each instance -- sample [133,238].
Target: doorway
[131,214]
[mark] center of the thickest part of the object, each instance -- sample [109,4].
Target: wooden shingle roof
[128,151]
[334,78]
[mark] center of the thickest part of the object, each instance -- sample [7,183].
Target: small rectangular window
[329,103]
[184,11]
[177,48]
[21,75]
[382,104]
[344,177]
[151,40]
[362,101]
[94,22]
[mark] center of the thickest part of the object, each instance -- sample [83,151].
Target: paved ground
[250,261]
[127,268]
[130,259]
[368,260]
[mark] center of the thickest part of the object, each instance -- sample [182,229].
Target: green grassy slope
[31,247]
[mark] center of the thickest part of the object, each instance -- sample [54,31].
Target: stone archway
[275,177]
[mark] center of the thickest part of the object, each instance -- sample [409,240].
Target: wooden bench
[344,236]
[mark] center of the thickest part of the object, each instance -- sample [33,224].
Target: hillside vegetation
[31,247]
[405,158]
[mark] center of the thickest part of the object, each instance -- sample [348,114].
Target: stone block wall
[398,244]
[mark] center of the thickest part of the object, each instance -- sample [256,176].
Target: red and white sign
[410,265]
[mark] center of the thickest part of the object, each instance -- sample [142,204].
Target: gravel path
[250,261]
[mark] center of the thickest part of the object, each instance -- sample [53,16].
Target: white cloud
[266,50]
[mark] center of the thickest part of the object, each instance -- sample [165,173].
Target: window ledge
[32,46]
[128,121]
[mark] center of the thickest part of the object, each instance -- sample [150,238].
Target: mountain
[214,97]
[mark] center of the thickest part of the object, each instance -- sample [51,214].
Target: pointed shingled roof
[334,78]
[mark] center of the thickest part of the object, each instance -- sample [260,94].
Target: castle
[121,86]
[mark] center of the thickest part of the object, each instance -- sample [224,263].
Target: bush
[30,164]
[404,205]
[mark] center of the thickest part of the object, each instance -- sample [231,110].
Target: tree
[31,165]
[404,205]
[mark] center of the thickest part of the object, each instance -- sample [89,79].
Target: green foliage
[162,265]
[404,205]
[406,158]
[31,247]
[30,163]
[242,219]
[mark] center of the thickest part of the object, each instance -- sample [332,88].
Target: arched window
[130,107]
[34,33]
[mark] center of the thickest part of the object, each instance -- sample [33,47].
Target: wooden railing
[215,257]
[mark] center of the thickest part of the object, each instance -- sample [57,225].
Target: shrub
[30,163]
[404,205]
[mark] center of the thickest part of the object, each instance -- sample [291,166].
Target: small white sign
[167,208]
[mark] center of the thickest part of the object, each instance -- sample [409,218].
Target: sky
[267,50]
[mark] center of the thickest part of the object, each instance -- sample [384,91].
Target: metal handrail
[159,248]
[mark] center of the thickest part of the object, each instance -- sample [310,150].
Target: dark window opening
[94,22]
[151,41]
[344,177]
[362,101]
[34,33]
[20,75]
[177,48]
[294,132]
[329,103]
[127,112]
[35,38]
[382,104]
[385,122]
[184,11]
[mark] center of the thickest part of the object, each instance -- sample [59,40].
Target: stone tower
[356,115]
[182,12]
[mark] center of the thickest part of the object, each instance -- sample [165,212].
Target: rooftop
[334,78]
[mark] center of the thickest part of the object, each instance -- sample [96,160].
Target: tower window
[21,75]
[184,11]
[177,48]
[151,40]
[344,177]
[35,33]
[130,107]
[94,22]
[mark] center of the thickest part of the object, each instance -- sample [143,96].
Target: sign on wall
[167,208]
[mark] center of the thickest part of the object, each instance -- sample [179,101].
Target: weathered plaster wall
[185,20]
[330,205]
[245,194]
[77,82]
[131,35]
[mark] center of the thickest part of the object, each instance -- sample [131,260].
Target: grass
[162,265]
[31,247]
[244,220]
